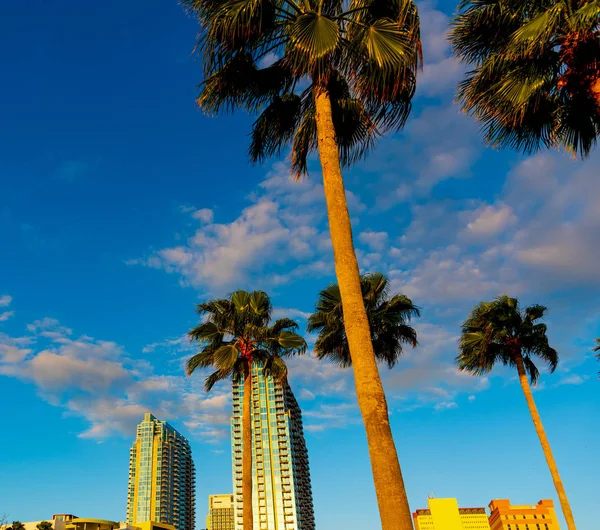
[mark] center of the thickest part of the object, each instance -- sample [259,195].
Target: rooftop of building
[462,511]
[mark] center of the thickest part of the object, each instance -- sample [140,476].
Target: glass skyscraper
[161,476]
[281,490]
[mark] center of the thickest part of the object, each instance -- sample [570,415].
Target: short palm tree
[535,79]
[44,525]
[499,332]
[235,335]
[388,317]
[328,76]
[17,525]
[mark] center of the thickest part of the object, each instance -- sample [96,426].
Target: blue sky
[121,206]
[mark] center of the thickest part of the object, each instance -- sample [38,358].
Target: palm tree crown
[536,71]
[387,320]
[499,332]
[237,332]
[268,56]
[597,349]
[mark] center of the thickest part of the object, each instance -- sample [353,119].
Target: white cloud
[573,379]
[374,240]
[281,312]
[176,345]
[205,215]
[5,300]
[472,398]
[6,315]
[445,405]
[279,237]
[306,394]
[489,220]
[96,380]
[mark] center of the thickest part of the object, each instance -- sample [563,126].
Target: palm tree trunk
[539,428]
[247,448]
[389,485]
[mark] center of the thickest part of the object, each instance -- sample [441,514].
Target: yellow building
[540,516]
[444,514]
[161,477]
[220,513]
[149,525]
[80,523]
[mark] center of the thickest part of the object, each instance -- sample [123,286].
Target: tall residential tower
[161,476]
[281,491]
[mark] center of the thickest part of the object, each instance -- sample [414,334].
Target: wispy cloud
[98,381]
[5,300]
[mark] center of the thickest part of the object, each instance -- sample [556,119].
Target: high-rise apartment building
[444,514]
[281,490]
[161,476]
[540,516]
[220,513]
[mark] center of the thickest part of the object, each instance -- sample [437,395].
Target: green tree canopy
[388,317]
[44,525]
[497,332]
[535,78]
[236,331]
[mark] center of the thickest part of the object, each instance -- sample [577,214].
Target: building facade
[540,516]
[220,513]
[444,514]
[281,489]
[161,477]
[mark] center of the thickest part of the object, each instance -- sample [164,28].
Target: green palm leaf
[388,320]
[534,69]
[245,318]
[314,35]
[387,44]
[225,357]
[292,341]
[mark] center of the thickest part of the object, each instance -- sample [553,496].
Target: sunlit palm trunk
[389,486]
[247,448]
[537,422]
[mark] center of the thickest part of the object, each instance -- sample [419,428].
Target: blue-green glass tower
[281,489]
[161,476]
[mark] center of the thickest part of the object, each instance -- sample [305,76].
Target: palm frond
[498,332]
[388,319]
[534,65]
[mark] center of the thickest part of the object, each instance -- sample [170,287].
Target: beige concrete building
[220,512]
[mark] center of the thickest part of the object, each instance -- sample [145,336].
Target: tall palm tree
[499,332]
[535,78]
[234,335]
[388,317]
[343,74]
